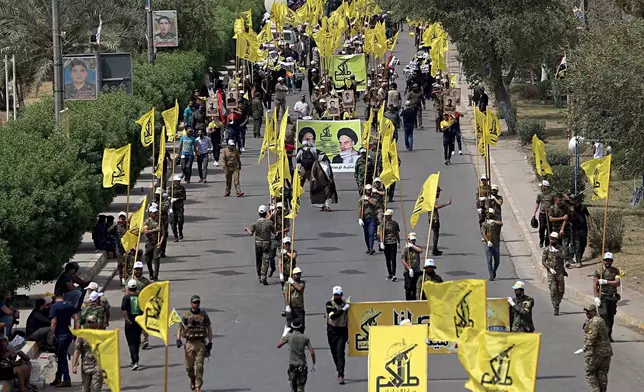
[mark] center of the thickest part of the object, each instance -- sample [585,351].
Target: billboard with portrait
[340,140]
[80,78]
[166,34]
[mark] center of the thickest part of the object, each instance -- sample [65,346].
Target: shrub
[614,231]
[563,179]
[557,155]
[527,128]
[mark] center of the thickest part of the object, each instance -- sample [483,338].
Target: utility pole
[148,10]
[15,90]
[58,60]
[6,85]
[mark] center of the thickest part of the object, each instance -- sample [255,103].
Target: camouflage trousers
[92,379]
[145,340]
[557,287]
[176,221]
[597,372]
[262,250]
[297,376]
[194,356]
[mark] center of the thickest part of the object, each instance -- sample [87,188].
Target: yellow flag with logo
[268,136]
[390,167]
[479,123]
[265,35]
[426,198]
[171,119]
[247,47]
[159,172]
[456,306]
[499,361]
[105,347]
[391,42]
[541,162]
[116,166]
[154,301]
[238,27]
[452,81]
[298,191]
[174,318]
[494,126]
[284,169]
[398,358]
[248,18]
[133,234]
[598,173]
[146,122]
[273,177]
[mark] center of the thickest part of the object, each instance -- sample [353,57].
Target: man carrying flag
[91,373]
[195,328]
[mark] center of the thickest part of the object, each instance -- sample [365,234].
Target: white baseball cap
[93,286]
[490,210]
[337,290]
[279,205]
[286,240]
[297,270]
[177,177]
[430,263]
[138,264]
[495,187]
[159,191]
[261,209]
[554,234]
[412,236]
[94,295]
[153,208]
[231,142]
[377,179]
[545,183]
[483,177]
[519,285]
[131,284]
[368,186]
[389,212]
[608,256]
[122,213]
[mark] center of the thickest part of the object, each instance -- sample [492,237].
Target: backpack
[308,159]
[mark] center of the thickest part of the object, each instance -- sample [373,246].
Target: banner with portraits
[166,33]
[343,66]
[364,315]
[80,78]
[340,140]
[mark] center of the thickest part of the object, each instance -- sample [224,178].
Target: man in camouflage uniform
[257,109]
[177,197]
[276,238]
[429,275]
[141,282]
[154,238]
[496,201]
[545,200]
[391,239]
[558,215]
[231,163]
[553,261]
[91,373]
[195,328]
[491,232]
[263,230]
[482,194]
[521,309]
[359,171]
[367,217]
[378,192]
[410,258]
[288,260]
[161,197]
[435,223]
[294,298]
[100,301]
[94,308]
[605,284]
[597,350]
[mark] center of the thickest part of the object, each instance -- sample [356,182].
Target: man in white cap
[496,201]
[163,203]
[263,230]
[491,232]
[410,259]
[280,96]
[337,331]
[231,163]
[605,284]
[367,217]
[288,260]
[100,300]
[389,241]
[482,194]
[154,237]
[277,218]
[177,197]
[553,261]
[141,282]
[93,307]
[521,309]
[429,275]
[121,229]
[545,199]
[378,192]
[131,309]
[294,297]
[360,168]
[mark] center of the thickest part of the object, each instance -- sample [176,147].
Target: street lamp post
[58,60]
[148,10]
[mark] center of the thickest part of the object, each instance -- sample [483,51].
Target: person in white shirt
[598,150]
[302,107]
[204,148]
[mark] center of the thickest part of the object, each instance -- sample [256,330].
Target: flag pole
[429,236]
[166,305]
[127,226]
[153,162]
[402,206]
[605,217]
[366,161]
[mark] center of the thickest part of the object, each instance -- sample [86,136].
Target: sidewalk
[517,180]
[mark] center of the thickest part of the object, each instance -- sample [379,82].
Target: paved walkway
[216,261]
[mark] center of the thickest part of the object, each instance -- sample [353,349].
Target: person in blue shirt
[61,314]
[187,115]
[187,146]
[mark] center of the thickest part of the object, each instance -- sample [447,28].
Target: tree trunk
[502,96]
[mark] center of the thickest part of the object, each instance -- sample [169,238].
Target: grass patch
[554,118]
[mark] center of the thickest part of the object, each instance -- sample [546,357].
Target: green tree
[605,77]
[496,38]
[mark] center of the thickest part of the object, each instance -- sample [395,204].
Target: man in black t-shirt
[581,221]
[61,314]
[130,308]
[65,284]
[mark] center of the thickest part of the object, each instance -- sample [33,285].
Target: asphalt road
[216,261]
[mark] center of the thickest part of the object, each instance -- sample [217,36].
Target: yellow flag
[452,81]
[426,198]
[174,318]
[391,42]
[390,168]
[366,131]
[455,307]
[598,173]
[499,361]
[116,166]
[265,35]
[247,47]
[541,163]
[284,171]
[398,358]
[248,18]
[147,128]
[238,27]
[480,120]
[494,126]
[273,179]
[268,136]
[105,347]
[133,234]
[159,172]
[154,301]
[171,119]
[298,191]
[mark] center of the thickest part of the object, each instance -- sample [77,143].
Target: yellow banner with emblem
[541,160]
[105,347]
[248,47]
[116,166]
[364,315]
[598,173]
[171,119]
[398,359]
[133,234]
[341,68]
[340,140]
[154,301]
[500,361]
[456,306]
[146,122]
[426,198]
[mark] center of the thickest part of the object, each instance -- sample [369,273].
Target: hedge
[51,184]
